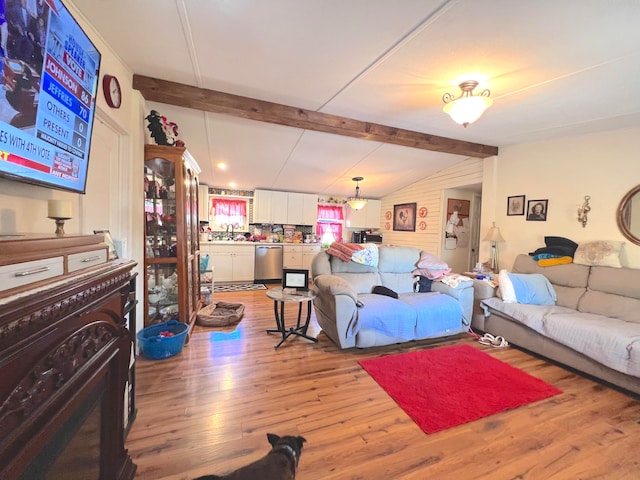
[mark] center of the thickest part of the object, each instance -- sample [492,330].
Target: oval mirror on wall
[629,215]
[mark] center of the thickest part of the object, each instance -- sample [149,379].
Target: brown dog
[280,463]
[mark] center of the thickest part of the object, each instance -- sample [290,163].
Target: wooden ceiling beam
[171,93]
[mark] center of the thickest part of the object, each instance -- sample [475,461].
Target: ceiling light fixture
[467,108]
[357,202]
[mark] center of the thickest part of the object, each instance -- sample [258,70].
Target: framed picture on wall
[404,217]
[537,210]
[515,205]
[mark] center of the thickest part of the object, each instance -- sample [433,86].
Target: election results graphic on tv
[47,101]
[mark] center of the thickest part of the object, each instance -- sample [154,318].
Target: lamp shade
[494,235]
[357,203]
[466,110]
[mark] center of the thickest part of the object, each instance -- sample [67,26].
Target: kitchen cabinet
[231,263]
[279,207]
[291,256]
[366,217]
[172,255]
[284,207]
[261,206]
[203,203]
[302,208]
[308,252]
[299,255]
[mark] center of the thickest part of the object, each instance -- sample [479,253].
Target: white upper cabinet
[279,207]
[366,217]
[203,203]
[284,207]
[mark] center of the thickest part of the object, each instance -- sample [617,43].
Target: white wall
[603,165]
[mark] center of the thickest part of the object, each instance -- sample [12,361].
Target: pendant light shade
[467,108]
[357,202]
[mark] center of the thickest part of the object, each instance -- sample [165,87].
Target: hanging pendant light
[467,108]
[357,202]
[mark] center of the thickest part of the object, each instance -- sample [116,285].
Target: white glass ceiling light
[467,108]
[357,202]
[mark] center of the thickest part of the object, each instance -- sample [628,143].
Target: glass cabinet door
[171,236]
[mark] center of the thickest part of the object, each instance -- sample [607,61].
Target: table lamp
[59,210]
[494,236]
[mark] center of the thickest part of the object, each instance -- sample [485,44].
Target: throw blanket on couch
[406,318]
[364,254]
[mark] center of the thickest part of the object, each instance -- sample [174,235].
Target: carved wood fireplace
[64,361]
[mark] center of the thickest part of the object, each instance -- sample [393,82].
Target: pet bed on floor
[219,314]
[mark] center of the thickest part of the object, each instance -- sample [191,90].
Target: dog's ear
[273,439]
[300,441]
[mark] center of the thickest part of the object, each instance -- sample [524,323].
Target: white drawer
[19,274]
[78,261]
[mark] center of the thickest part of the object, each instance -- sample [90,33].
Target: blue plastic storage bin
[155,346]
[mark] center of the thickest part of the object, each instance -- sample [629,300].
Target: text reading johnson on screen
[47,101]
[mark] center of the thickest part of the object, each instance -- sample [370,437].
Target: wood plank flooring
[208,410]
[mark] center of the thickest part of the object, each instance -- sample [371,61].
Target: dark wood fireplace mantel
[64,360]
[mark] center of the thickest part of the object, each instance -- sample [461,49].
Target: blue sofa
[382,319]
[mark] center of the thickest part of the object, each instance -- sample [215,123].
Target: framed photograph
[515,205]
[404,217]
[295,278]
[113,254]
[537,210]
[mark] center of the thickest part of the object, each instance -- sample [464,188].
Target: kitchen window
[330,221]
[225,213]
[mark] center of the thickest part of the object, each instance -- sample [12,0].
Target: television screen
[47,101]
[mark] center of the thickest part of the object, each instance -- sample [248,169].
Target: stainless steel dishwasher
[268,266]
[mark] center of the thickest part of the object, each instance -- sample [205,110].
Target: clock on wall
[112,91]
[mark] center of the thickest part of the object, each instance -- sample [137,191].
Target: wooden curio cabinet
[172,280]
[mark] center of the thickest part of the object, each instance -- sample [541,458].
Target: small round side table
[299,297]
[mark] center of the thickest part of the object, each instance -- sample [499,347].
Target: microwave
[364,237]
[371,238]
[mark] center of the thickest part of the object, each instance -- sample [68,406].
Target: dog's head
[287,443]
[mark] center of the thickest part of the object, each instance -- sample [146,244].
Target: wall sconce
[494,236]
[584,210]
[467,108]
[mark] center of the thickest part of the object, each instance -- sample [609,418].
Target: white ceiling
[553,68]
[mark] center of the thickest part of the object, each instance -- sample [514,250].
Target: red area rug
[444,387]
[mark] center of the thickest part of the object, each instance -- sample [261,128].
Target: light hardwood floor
[208,409]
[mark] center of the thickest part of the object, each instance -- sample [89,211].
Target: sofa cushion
[436,312]
[398,282]
[338,266]
[361,282]
[602,253]
[613,292]
[533,316]
[398,259]
[569,281]
[610,305]
[385,314]
[609,341]
[620,281]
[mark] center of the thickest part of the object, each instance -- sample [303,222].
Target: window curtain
[330,220]
[227,212]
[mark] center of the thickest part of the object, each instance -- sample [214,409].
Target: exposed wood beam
[171,93]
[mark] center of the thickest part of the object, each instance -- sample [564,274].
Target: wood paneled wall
[428,192]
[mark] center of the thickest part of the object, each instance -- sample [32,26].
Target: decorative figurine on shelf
[163,131]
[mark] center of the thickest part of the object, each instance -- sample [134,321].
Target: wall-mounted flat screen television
[50,72]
